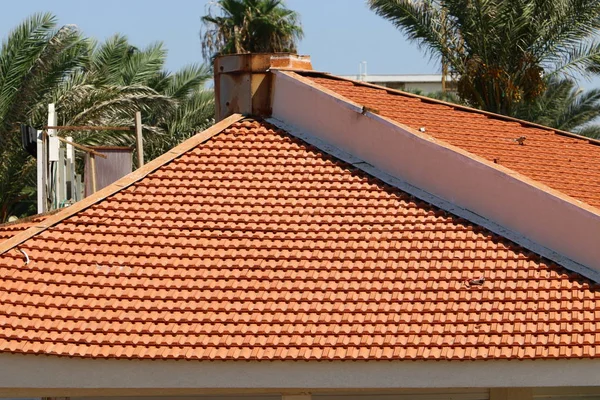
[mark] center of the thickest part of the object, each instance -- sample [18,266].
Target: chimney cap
[243,82]
[261,62]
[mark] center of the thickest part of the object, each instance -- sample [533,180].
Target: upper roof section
[565,162]
[257,245]
[10,229]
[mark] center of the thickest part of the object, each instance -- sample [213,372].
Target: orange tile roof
[10,229]
[255,245]
[569,164]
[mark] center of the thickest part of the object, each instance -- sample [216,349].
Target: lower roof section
[24,376]
[255,245]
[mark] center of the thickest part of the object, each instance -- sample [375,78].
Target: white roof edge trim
[315,112]
[438,202]
[73,376]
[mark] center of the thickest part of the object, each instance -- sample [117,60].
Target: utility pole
[40,164]
[139,138]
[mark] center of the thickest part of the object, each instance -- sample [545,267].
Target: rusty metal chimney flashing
[243,82]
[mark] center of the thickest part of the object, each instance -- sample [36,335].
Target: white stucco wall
[37,376]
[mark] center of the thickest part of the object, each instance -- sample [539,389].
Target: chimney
[243,82]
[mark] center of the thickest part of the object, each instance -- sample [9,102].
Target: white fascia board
[25,375]
[531,214]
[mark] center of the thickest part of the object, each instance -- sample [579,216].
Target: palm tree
[91,85]
[249,26]
[119,79]
[17,181]
[500,51]
[564,106]
[193,112]
[174,105]
[34,60]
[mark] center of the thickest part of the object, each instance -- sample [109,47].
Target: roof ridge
[528,124]
[121,184]
[29,218]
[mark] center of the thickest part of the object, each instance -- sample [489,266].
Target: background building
[424,83]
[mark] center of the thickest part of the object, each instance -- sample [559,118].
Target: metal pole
[41,176]
[93,168]
[140,144]
[51,152]
[61,184]
[71,170]
[444,73]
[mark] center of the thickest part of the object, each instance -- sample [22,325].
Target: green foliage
[500,50]
[447,96]
[249,26]
[17,181]
[564,106]
[90,84]
[194,111]
[34,59]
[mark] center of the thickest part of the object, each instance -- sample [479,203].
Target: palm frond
[499,51]
[244,26]
[142,66]
[194,114]
[187,80]
[563,106]
[591,131]
[423,22]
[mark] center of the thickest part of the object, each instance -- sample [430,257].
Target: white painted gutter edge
[22,375]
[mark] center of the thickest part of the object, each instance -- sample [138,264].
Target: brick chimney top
[243,82]
[291,61]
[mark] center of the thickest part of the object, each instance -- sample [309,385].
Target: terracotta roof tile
[570,165]
[255,245]
[10,229]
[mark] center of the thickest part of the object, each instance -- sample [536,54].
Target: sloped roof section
[564,162]
[255,245]
[10,229]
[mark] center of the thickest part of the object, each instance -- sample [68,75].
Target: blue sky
[339,34]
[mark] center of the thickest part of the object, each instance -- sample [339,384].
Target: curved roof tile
[255,245]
